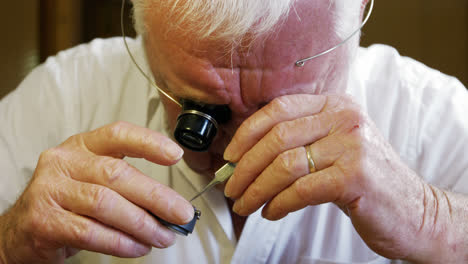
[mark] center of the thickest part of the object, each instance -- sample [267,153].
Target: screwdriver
[221,176]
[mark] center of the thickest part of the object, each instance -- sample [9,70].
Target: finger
[288,167]
[134,186]
[285,169]
[284,136]
[279,110]
[84,233]
[289,135]
[111,209]
[317,188]
[326,151]
[124,139]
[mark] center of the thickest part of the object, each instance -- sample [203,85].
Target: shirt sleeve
[78,90]
[443,141]
[421,111]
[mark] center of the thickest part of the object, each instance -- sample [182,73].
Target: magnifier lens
[195,132]
[197,125]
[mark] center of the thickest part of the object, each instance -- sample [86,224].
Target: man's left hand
[353,167]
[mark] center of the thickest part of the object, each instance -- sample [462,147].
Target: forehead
[211,71]
[308,25]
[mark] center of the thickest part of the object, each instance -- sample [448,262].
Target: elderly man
[358,155]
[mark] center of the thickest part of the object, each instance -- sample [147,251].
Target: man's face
[249,77]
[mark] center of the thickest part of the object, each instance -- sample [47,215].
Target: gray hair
[231,20]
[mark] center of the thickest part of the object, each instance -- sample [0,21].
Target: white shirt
[419,110]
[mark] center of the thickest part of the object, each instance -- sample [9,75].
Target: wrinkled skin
[356,169]
[84,196]
[277,110]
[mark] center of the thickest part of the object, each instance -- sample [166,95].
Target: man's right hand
[83,196]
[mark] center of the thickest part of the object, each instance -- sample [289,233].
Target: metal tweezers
[221,176]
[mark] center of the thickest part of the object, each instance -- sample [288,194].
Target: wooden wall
[19,45]
[61,25]
[432,31]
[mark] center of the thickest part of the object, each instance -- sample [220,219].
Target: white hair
[216,19]
[345,12]
[231,20]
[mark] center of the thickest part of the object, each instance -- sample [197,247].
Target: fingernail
[227,153]
[173,151]
[227,192]
[238,205]
[142,250]
[228,188]
[184,210]
[166,238]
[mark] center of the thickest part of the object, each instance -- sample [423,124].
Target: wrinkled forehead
[308,27]
[257,70]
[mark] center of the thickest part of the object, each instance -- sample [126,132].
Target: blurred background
[434,32]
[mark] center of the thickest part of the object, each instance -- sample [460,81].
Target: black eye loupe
[198,124]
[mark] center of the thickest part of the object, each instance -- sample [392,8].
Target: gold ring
[312,168]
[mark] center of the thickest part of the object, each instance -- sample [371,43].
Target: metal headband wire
[301,63]
[134,61]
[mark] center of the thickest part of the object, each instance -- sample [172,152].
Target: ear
[363,7]
[364,3]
